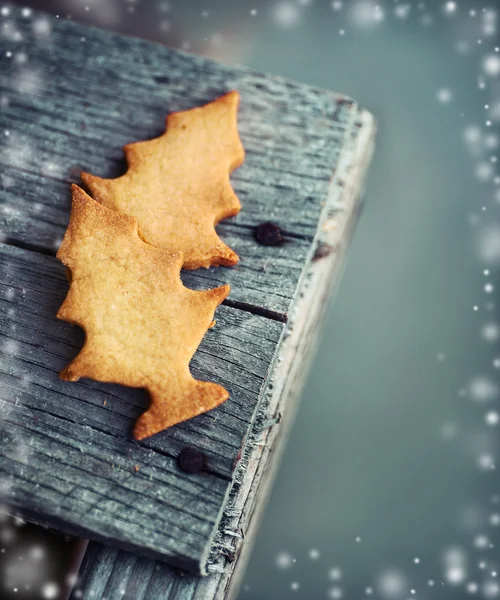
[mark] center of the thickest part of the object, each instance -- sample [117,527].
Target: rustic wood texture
[114,574]
[66,454]
[76,103]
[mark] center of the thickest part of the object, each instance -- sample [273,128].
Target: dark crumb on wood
[136,468]
[269,234]
[162,79]
[322,251]
[191,460]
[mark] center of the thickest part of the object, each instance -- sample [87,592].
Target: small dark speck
[162,79]
[269,234]
[191,460]
[322,251]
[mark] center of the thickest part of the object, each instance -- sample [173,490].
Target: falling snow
[444,95]
[488,244]
[284,560]
[392,584]
[482,389]
[491,65]
[286,14]
[481,140]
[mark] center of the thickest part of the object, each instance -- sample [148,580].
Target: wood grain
[76,103]
[67,457]
[103,567]
[80,463]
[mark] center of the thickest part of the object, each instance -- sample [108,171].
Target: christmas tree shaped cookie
[142,325]
[177,185]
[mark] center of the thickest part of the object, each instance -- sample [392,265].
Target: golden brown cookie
[142,325]
[177,185]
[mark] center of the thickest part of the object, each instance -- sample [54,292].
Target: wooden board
[76,103]
[66,454]
[117,575]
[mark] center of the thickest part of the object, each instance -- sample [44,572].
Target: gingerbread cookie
[177,185]
[142,325]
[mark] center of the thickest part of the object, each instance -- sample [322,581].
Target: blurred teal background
[388,487]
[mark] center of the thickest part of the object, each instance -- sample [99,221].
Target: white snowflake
[455,575]
[283,560]
[491,589]
[314,554]
[41,27]
[286,14]
[337,5]
[450,8]
[486,462]
[484,171]
[402,11]
[365,14]
[50,590]
[21,58]
[489,22]
[490,332]
[494,519]
[473,135]
[28,82]
[491,65]
[391,584]
[492,418]
[37,552]
[472,587]
[295,586]
[481,542]
[10,347]
[488,244]
[335,573]
[491,140]
[444,96]
[481,389]
[335,593]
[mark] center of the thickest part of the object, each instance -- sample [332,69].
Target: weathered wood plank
[66,447]
[248,497]
[263,271]
[76,103]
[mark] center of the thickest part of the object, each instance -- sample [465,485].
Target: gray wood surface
[76,103]
[66,454]
[114,574]
[66,447]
